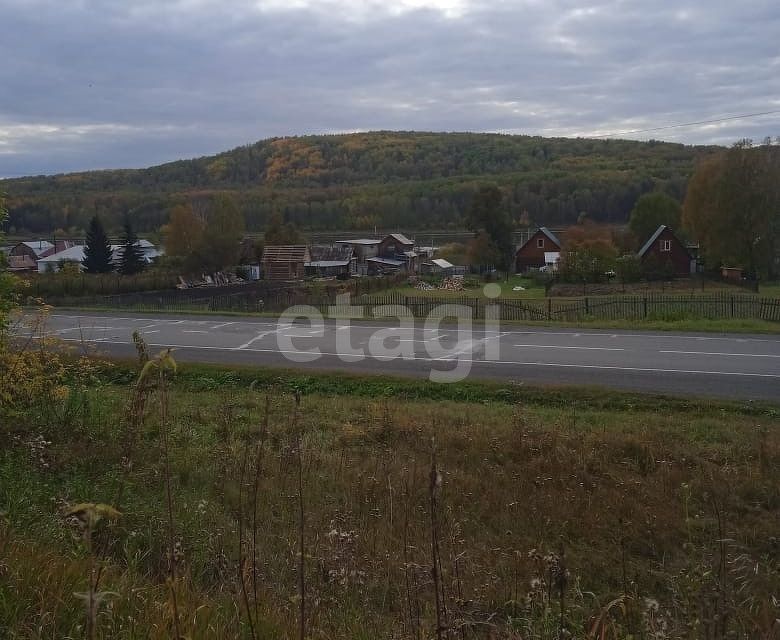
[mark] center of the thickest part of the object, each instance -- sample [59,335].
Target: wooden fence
[261,298]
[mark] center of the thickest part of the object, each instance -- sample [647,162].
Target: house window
[540,243]
[666,245]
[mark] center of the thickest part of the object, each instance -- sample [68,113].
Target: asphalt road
[721,365]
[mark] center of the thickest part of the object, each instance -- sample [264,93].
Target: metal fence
[277,299]
[717,306]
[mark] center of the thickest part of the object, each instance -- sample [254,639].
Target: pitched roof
[39,247]
[72,254]
[390,262]
[286,253]
[367,241]
[399,237]
[442,263]
[324,264]
[550,235]
[327,253]
[654,237]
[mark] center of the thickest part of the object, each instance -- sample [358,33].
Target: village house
[398,247]
[395,252]
[363,249]
[664,251]
[285,262]
[531,255]
[24,255]
[328,261]
[74,254]
[438,267]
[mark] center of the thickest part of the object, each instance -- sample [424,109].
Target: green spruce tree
[131,260]
[97,252]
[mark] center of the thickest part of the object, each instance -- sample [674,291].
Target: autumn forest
[367,180]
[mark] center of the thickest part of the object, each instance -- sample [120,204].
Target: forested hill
[358,181]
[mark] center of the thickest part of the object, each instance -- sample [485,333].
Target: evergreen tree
[131,260]
[97,252]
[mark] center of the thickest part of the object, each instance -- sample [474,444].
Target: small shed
[285,262]
[531,255]
[439,266]
[385,265]
[665,249]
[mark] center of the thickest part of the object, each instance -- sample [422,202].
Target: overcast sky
[88,84]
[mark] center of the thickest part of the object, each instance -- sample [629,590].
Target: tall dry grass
[261,515]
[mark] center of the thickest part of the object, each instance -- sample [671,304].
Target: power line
[689,124]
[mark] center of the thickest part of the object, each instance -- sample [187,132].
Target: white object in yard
[518,288]
[551,259]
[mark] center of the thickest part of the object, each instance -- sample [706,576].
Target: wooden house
[327,260]
[285,262]
[667,253]
[531,255]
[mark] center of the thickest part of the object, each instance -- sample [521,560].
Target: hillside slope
[386,179]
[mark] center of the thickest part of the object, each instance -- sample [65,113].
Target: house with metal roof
[531,255]
[331,260]
[667,254]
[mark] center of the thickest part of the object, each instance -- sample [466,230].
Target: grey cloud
[94,83]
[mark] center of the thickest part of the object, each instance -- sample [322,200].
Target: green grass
[625,490]
[769,289]
[532,290]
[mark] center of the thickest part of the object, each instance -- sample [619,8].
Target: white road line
[193,331]
[224,324]
[555,346]
[259,336]
[88,329]
[480,362]
[715,353]
[594,333]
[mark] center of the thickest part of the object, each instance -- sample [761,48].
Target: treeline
[358,181]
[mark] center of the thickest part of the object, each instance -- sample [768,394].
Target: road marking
[715,353]
[193,331]
[358,325]
[259,336]
[87,329]
[219,326]
[555,346]
[444,359]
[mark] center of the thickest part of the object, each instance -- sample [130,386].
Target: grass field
[770,289]
[531,290]
[386,508]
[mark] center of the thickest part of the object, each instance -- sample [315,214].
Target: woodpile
[451,284]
